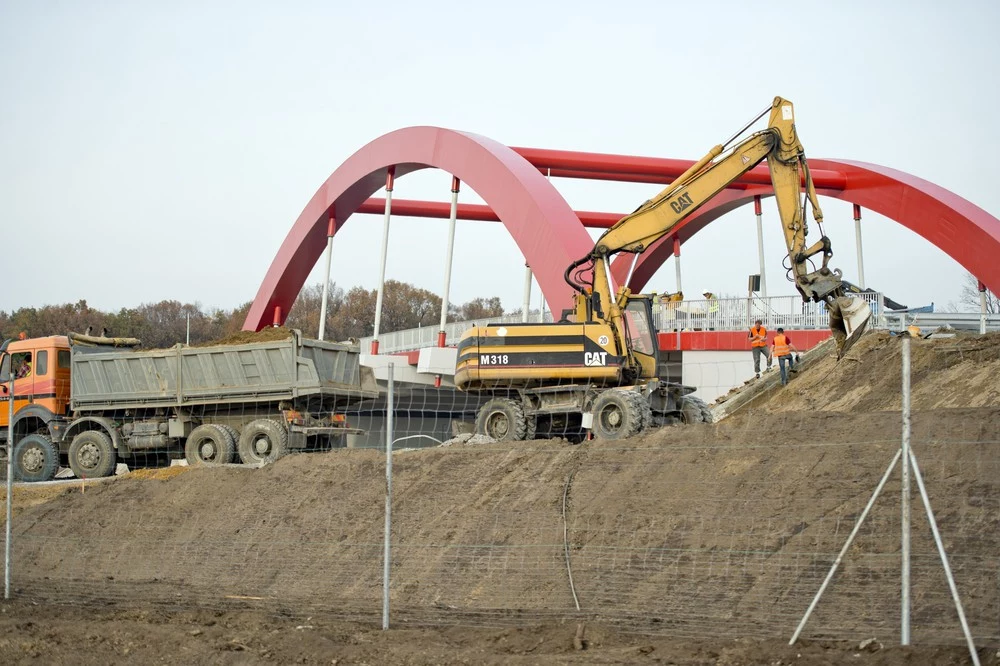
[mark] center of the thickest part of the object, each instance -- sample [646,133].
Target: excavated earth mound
[963,371]
[690,544]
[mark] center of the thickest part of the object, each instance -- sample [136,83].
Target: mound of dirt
[269,334]
[963,371]
[722,530]
[713,532]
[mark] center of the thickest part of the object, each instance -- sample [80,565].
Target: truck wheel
[233,435]
[616,415]
[92,455]
[695,410]
[263,441]
[35,459]
[503,420]
[209,444]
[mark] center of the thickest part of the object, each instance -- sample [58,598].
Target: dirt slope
[963,371]
[709,532]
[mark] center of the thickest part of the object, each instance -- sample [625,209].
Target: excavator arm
[656,218]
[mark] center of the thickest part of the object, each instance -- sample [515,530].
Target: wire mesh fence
[694,530]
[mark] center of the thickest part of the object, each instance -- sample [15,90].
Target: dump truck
[87,402]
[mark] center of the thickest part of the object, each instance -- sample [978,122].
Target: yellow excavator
[597,369]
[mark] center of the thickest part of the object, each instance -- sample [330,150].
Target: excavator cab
[641,332]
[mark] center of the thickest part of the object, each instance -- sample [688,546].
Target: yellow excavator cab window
[639,329]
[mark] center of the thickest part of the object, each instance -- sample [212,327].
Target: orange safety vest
[758,336]
[781,345]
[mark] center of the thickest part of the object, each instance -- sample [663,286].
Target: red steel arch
[543,225]
[962,230]
[550,234]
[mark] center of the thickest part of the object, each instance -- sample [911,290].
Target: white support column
[389,178]
[857,235]
[331,227]
[446,293]
[677,261]
[982,308]
[526,307]
[760,245]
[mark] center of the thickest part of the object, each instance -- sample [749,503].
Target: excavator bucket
[848,320]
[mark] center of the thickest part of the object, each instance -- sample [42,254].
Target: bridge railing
[427,336]
[724,314]
[738,314]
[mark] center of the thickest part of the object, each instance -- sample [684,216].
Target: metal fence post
[904,630]
[389,407]
[10,491]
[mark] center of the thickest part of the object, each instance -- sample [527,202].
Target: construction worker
[712,309]
[758,346]
[783,349]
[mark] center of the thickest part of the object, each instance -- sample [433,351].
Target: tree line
[350,314]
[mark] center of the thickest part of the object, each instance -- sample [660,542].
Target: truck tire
[92,455]
[35,459]
[503,420]
[695,410]
[209,444]
[262,441]
[616,415]
[233,434]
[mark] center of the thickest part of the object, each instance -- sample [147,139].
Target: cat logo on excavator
[682,202]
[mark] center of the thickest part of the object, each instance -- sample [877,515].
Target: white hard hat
[706,291]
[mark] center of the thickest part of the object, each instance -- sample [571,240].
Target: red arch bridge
[550,234]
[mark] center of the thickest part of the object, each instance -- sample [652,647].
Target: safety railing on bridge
[738,314]
[724,314]
[427,336]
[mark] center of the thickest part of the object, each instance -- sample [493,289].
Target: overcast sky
[162,150]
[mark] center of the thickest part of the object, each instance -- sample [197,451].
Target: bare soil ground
[41,634]
[688,545]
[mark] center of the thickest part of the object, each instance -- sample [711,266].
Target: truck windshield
[639,329]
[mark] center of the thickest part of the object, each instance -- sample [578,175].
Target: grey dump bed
[246,373]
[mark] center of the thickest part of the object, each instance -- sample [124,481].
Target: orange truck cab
[40,369]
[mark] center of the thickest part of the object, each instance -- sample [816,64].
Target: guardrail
[724,314]
[427,336]
[738,314]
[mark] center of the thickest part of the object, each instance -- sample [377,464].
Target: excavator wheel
[695,410]
[503,420]
[643,409]
[616,415]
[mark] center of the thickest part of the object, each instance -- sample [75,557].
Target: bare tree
[969,300]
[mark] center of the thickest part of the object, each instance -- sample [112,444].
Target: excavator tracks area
[686,544]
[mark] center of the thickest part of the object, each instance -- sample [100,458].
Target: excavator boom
[779,144]
[599,371]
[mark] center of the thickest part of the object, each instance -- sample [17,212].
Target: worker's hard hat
[706,291]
